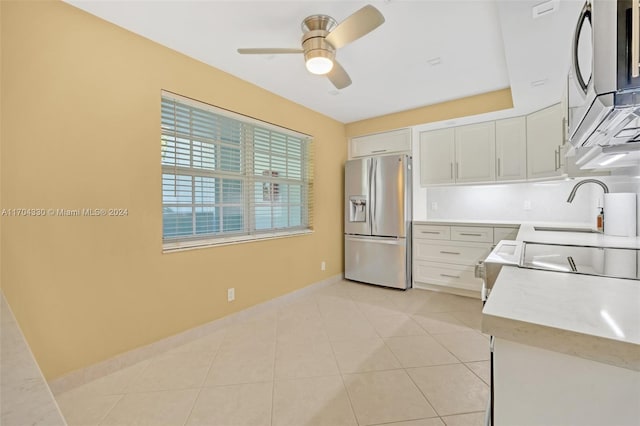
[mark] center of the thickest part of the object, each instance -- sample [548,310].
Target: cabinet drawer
[500,234]
[472,233]
[450,251]
[433,232]
[458,276]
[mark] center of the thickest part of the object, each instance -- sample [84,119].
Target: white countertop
[498,223]
[527,233]
[591,317]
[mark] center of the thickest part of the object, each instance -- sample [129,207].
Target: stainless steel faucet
[572,195]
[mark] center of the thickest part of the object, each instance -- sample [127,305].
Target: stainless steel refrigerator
[377,220]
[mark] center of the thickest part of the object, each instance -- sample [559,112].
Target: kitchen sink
[562,229]
[585,260]
[599,261]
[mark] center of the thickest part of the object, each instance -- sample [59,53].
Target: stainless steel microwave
[604,79]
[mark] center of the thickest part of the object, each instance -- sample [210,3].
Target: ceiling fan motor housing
[316,28]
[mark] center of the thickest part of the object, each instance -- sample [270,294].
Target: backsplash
[542,201]
[527,201]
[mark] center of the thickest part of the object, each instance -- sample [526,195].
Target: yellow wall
[472,105]
[1,164]
[81,129]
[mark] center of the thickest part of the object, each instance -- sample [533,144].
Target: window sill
[216,242]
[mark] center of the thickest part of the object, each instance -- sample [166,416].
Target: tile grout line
[409,375]
[104,417]
[476,374]
[123,390]
[344,384]
[397,359]
[186,420]
[422,393]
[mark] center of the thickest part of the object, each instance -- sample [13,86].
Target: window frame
[249,179]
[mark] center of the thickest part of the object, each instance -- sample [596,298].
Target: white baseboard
[445,289]
[84,375]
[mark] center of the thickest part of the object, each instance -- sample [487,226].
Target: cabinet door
[437,157]
[511,149]
[381,143]
[475,153]
[544,143]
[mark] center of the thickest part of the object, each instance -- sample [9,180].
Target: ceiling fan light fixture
[319,62]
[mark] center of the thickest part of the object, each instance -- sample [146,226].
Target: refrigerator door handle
[371,194]
[374,189]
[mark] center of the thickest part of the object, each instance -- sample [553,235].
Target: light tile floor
[348,354]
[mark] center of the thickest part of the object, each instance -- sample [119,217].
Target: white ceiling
[483,45]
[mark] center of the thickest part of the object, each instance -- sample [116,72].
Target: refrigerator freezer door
[388,203]
[357,181]
[375,260]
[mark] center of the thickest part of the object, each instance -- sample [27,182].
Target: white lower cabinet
[445,274]
[444,257]
[456,252]
[500,234]
[534,386]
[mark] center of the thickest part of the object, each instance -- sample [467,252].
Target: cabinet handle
[499,174]
[555,159]
[450,276]
[451,170]
[457,170]
[448,252]
[559,156]
[471,235]
[429,232]
[635,38]
[565,130]
[378,150]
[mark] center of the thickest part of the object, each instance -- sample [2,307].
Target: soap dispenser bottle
[600,220]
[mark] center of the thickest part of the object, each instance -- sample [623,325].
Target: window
[227,177]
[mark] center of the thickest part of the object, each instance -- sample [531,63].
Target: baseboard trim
[95,371]
[444,289]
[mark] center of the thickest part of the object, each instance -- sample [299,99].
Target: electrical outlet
[323,265]
[527,204]
[434,205]
[231,294]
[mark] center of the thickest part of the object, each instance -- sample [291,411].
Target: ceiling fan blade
[355,26]
[268,51]
[338,76]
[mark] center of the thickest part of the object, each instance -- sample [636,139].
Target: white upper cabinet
[544,143]
[475,151]
[511,149]
[458,155]
[516,149]
[381,143]
[437,157]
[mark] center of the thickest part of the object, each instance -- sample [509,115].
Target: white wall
[546,202]
[506,202]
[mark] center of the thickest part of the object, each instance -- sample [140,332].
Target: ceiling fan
[323,36]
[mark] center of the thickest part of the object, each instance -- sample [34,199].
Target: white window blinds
[226,175]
